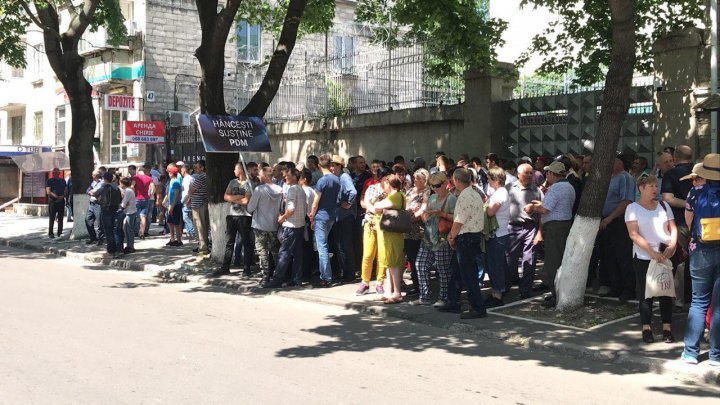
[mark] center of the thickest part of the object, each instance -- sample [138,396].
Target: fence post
[486,118]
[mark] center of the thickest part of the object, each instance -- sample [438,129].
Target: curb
[672,368]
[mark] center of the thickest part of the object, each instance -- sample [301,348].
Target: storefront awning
[42,162]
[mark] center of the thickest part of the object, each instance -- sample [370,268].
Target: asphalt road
[74,333]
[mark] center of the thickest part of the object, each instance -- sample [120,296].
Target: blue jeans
[187,219]
[291,246]
[705,275]
[107,219]
[129,225]
[465,271]
[497,263]
[322,230]
[119,230]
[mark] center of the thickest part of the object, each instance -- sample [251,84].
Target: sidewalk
[614,342]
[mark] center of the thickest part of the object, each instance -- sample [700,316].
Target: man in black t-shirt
[56,188]
[674,192]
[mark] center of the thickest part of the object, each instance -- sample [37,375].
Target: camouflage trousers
[266,249]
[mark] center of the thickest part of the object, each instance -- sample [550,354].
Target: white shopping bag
[659,281]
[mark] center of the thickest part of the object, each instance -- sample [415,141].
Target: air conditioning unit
[131,26]
[179,118]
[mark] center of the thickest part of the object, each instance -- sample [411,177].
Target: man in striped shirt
[199,205]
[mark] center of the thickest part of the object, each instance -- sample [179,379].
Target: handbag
[659,280]
[444,225]
[400,221]
[681,254]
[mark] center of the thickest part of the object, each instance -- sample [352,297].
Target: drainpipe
[713,73]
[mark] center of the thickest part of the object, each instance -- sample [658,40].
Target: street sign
[228,133]
[144,132]
[17,150]
[120,102]
[150,96]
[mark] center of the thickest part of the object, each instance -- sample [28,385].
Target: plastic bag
[659,280]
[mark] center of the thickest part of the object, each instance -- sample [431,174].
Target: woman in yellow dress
[391,244]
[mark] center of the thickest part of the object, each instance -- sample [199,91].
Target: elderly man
[92,219]
[675,188]
[524,228]
[556,211]
[616,244]
[343,232]
[464,237]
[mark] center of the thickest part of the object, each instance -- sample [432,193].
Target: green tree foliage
[15,20]
[317,17]
[457,33]
[581,37]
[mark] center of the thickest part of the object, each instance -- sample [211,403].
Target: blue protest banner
[228,133]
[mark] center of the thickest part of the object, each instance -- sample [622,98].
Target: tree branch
[261,100]
[37,21]
[70,7]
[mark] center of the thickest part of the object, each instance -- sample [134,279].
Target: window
[16,129]
[60,125]
[248,40]
[18,72]
[344,54]
[38,59]
[118,149]
[38,127]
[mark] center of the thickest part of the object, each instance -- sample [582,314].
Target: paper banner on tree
[227,133]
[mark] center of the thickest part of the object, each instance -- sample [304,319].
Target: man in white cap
[556,210]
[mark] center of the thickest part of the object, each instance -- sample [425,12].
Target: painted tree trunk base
[80,207]
[572,275]
[218,226]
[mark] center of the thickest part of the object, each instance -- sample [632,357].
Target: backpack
[706,222]
[111,197]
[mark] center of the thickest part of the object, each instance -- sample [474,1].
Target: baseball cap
[172,170]
[555,167]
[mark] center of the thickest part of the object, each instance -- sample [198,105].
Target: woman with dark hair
[390,244]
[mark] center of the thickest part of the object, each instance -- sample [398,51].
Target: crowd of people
[331,221]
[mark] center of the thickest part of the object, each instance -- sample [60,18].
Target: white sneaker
[439,303]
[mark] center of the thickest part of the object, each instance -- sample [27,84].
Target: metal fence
[378,80]
[543,87]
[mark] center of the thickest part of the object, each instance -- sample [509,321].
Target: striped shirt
[200,195]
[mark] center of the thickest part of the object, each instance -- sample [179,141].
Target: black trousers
[641,267]
[344,246]
[617,257]
[57,212]
[235,224]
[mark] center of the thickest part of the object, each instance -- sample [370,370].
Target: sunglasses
[437,185]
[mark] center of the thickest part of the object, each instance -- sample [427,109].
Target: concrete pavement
[617,342]
[81,333]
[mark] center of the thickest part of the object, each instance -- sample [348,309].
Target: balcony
[93,42]
[113,66]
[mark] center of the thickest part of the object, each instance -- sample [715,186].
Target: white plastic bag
[659,280]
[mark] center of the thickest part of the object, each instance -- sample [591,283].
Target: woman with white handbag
[652,225]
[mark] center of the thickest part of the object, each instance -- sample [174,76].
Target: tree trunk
[572,275]
[211,55]
[67,64]
[80,145]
